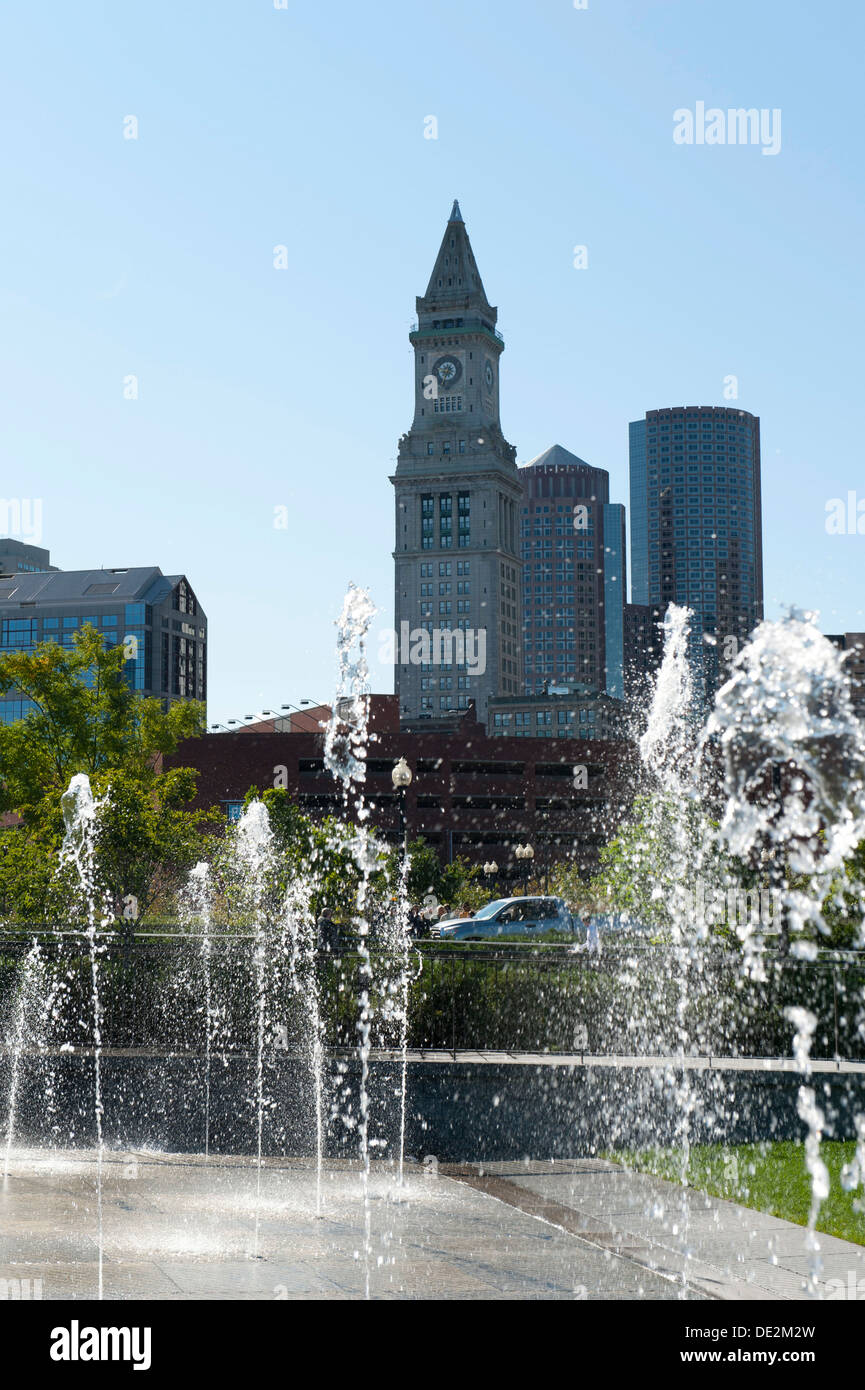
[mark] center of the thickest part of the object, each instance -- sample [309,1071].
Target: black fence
[171,993]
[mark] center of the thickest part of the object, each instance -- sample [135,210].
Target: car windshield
[491,908]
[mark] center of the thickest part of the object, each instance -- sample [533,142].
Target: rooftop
[144,583]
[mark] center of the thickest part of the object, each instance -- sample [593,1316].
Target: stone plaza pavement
[181,1227]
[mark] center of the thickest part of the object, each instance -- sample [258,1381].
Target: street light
[491,868]
[525,854]
[401,779]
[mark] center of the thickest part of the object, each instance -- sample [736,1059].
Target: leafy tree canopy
[86,719]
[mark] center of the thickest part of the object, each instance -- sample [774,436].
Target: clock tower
[458,497]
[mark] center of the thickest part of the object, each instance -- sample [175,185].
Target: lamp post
[525,854]
[777,865]
[491,868]
[401,779]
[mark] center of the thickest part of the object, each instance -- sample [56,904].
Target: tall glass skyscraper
[696,526]
[574,575]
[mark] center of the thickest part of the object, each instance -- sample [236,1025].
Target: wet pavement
[182,1227]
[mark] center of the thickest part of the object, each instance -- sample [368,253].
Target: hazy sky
[304,127]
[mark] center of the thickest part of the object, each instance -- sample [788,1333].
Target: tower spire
[456,280]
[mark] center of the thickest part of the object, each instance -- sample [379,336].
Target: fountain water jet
[81,818]
[345,747]
[299,922]
[667,750]
[253,847]
[196,908]
[794,791]
[23,1002]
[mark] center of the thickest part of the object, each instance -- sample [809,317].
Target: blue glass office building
[696,525]
[156,617]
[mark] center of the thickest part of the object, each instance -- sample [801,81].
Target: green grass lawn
[768,1177]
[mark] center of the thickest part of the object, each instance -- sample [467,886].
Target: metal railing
[637,1000]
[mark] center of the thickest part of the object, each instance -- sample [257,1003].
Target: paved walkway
[718,1248]
[178,1227]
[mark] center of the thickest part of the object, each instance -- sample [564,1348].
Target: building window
[427,523]
[18,632]
[184,602]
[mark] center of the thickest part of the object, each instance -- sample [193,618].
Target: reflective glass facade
[574,575]
[696,525]
[163,634]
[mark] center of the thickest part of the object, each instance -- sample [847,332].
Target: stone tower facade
[458,497]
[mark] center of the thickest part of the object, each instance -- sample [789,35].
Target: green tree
[650,870]
[452,884]
[318,851]
[86,719]
[844,907]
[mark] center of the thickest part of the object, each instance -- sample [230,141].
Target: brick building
[853,644]
[470,794]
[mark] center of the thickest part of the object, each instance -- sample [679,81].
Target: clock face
[448,371]
[489,376]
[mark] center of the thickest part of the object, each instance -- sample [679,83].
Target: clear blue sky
[305,127]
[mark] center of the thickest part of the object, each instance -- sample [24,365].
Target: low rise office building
[155,617]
